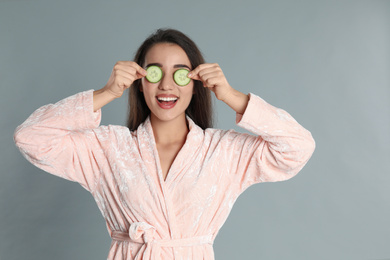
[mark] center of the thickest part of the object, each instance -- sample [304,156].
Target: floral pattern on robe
[149,217]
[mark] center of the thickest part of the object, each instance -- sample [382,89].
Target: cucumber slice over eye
[180,77]
[154,74]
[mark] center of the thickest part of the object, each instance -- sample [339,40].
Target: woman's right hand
[122,76]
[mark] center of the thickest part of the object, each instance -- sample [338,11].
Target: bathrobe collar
[184,158]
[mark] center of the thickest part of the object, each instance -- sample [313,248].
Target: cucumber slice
[180,77]
[154,74]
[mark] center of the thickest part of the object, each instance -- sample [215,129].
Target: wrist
[106,93]
[101,98]
[237,100]
[229,94]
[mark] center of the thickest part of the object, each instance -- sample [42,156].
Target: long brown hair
[200,108]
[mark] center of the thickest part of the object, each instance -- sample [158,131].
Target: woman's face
[166,100]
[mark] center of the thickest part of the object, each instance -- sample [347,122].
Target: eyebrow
[175,66]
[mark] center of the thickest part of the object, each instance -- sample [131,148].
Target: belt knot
[143,233]
[142,229]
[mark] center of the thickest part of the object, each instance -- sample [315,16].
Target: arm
[278,150]
[280,147]
[122,76]
[60,139]
[64,139]
[213,78]
[237,100]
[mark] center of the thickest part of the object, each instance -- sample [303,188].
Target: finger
[124,83]
[211,82]
[137,72]
[131,72]
[216,77]
[193,76]
[136,69]
[125,75]
[131,66]
[141,71]
[210,72]
[125,79]
[194,73]
[202,68]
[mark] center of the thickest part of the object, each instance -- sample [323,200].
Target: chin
[167,116]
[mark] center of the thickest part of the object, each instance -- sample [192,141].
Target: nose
[166,82]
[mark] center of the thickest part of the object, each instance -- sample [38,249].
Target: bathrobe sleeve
[59,138]
[277,151]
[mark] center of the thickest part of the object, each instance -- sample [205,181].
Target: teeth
[166,98]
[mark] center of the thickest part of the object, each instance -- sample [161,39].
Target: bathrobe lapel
[186,156]
[183,160]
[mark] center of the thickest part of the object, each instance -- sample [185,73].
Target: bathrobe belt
[143,233]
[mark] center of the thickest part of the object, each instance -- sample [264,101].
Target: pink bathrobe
[147,217]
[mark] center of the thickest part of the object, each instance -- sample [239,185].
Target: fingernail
[189,74]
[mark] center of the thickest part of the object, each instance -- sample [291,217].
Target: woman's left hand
[213,78]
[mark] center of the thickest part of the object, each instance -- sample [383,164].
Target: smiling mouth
[167,100]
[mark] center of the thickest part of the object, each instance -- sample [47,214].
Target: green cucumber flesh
[154,74]
[180,77]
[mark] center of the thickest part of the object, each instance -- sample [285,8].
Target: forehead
[167,53]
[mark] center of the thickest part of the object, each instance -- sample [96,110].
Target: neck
[170,132]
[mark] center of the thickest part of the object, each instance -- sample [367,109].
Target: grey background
[326,62]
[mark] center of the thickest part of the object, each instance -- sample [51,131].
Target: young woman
[166,183]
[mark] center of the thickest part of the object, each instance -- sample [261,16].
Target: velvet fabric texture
[148,217]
